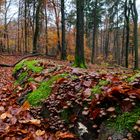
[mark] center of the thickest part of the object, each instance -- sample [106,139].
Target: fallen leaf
[64,135]
[35,121]
[5,115]
[24,121]
[87,93]
[24,107]
[39,132]
[87,83]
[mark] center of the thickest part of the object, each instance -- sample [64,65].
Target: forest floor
[78,103]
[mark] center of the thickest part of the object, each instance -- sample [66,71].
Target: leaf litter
[70,103]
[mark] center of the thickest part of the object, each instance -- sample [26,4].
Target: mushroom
[110,109]
[138,122]
[94,126]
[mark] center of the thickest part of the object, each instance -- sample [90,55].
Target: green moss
[73,77]
[132,78]
[79,63]
[43,91]
[97,89]
[31,79]
[29,64]
[103,83]
[125,121]
[22,77]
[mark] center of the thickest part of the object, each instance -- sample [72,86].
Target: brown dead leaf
[33,86]
[39,132]
[64,135]
[24,107]
[5,115]
[35,122]
[24,121]
[87,83]
[60,80]
[87,93]
[13,120]
[22,131]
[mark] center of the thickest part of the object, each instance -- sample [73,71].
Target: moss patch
[133,78]
[43,91]
[29,65]
[97,89]
[125,121]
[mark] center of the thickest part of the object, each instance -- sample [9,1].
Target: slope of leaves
[71,110]
[75,99]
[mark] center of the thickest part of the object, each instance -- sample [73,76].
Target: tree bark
[79,50]
[127,20]
[94,31]
[135,31]
[63,52]
[37,21]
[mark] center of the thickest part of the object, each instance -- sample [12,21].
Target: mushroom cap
[111,109]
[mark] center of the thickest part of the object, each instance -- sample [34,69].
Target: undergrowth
[125,121]
[28,65]
[43,91]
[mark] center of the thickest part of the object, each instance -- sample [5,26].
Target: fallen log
[24,57]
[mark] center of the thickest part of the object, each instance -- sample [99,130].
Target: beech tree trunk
[79,50]
[37,21]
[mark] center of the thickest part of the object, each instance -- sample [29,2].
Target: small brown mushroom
[94,126]
[110,109]
[109,138]
[138,122]
[85,112]
[135,127]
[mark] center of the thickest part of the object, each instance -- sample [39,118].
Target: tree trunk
[79,50]
[46,32]
[135,30]
[57,27]
[127,19]
[94,32]
[63,52]
[25,25]
[37,21]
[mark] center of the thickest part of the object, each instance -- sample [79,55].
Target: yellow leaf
[39,132]
[4,115]
[23,121]
[35,121]
[64,135]
[25,106]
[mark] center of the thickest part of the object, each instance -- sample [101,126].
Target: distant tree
[79,50]
[56,13]
[37,26]
[135,31]
[63,52]
[127,21]
[95,26]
